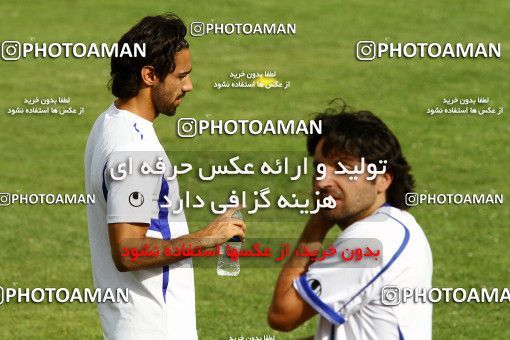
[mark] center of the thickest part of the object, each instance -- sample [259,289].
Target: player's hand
[223,228]
[320,222]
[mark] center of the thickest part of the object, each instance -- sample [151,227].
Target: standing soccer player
[349,299]
[133,213]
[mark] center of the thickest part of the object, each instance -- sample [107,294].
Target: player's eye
[315,165]
[346,166]
[338,167]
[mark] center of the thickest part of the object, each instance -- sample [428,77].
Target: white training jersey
[351,301]
[161,300]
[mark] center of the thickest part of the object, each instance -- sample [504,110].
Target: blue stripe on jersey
[141,134]
[395,256]
[103,185]
[164,227]
[165,281]
[161,225]
[154,225]
[163,211]
[400,335]
[308,294]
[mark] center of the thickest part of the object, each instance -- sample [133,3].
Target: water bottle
[226,266]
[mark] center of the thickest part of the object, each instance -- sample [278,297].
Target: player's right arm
[130,238]
[288,309]
[129,216]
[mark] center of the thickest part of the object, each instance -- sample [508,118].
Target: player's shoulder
[388,224]
[120,130]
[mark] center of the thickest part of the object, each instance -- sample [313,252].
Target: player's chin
[338,203]
[169,114]
[170,111]
[332,214]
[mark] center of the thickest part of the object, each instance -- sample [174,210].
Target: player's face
[168,93]
[353,197]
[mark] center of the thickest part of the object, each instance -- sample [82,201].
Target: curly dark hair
[362,134]
[163,36]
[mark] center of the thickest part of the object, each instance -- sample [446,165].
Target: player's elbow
[280,321]
[122,267]
[123,264]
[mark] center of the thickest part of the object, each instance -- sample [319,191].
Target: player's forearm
[147,252]
[286,305]
[311,238]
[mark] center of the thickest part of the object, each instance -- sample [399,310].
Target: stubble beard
[162,104]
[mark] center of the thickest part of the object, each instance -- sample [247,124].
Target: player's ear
[148,75]
[383,182]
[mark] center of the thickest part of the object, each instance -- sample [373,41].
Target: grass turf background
[47,246]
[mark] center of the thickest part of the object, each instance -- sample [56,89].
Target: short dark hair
[163,36]
[362,134]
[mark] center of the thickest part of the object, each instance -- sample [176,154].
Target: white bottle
[226,266]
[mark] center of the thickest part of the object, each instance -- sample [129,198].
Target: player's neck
[138,105]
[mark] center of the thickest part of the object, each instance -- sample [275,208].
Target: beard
[338,213]
[162,102]
[168,113]
[346,210]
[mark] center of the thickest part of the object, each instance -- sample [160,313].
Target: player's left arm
[288,309]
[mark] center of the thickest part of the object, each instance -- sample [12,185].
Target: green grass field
[47,246]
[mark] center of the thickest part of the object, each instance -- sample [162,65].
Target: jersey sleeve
[130,198]
[337,288]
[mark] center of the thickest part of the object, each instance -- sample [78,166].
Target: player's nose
[188,85]
[322,184]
